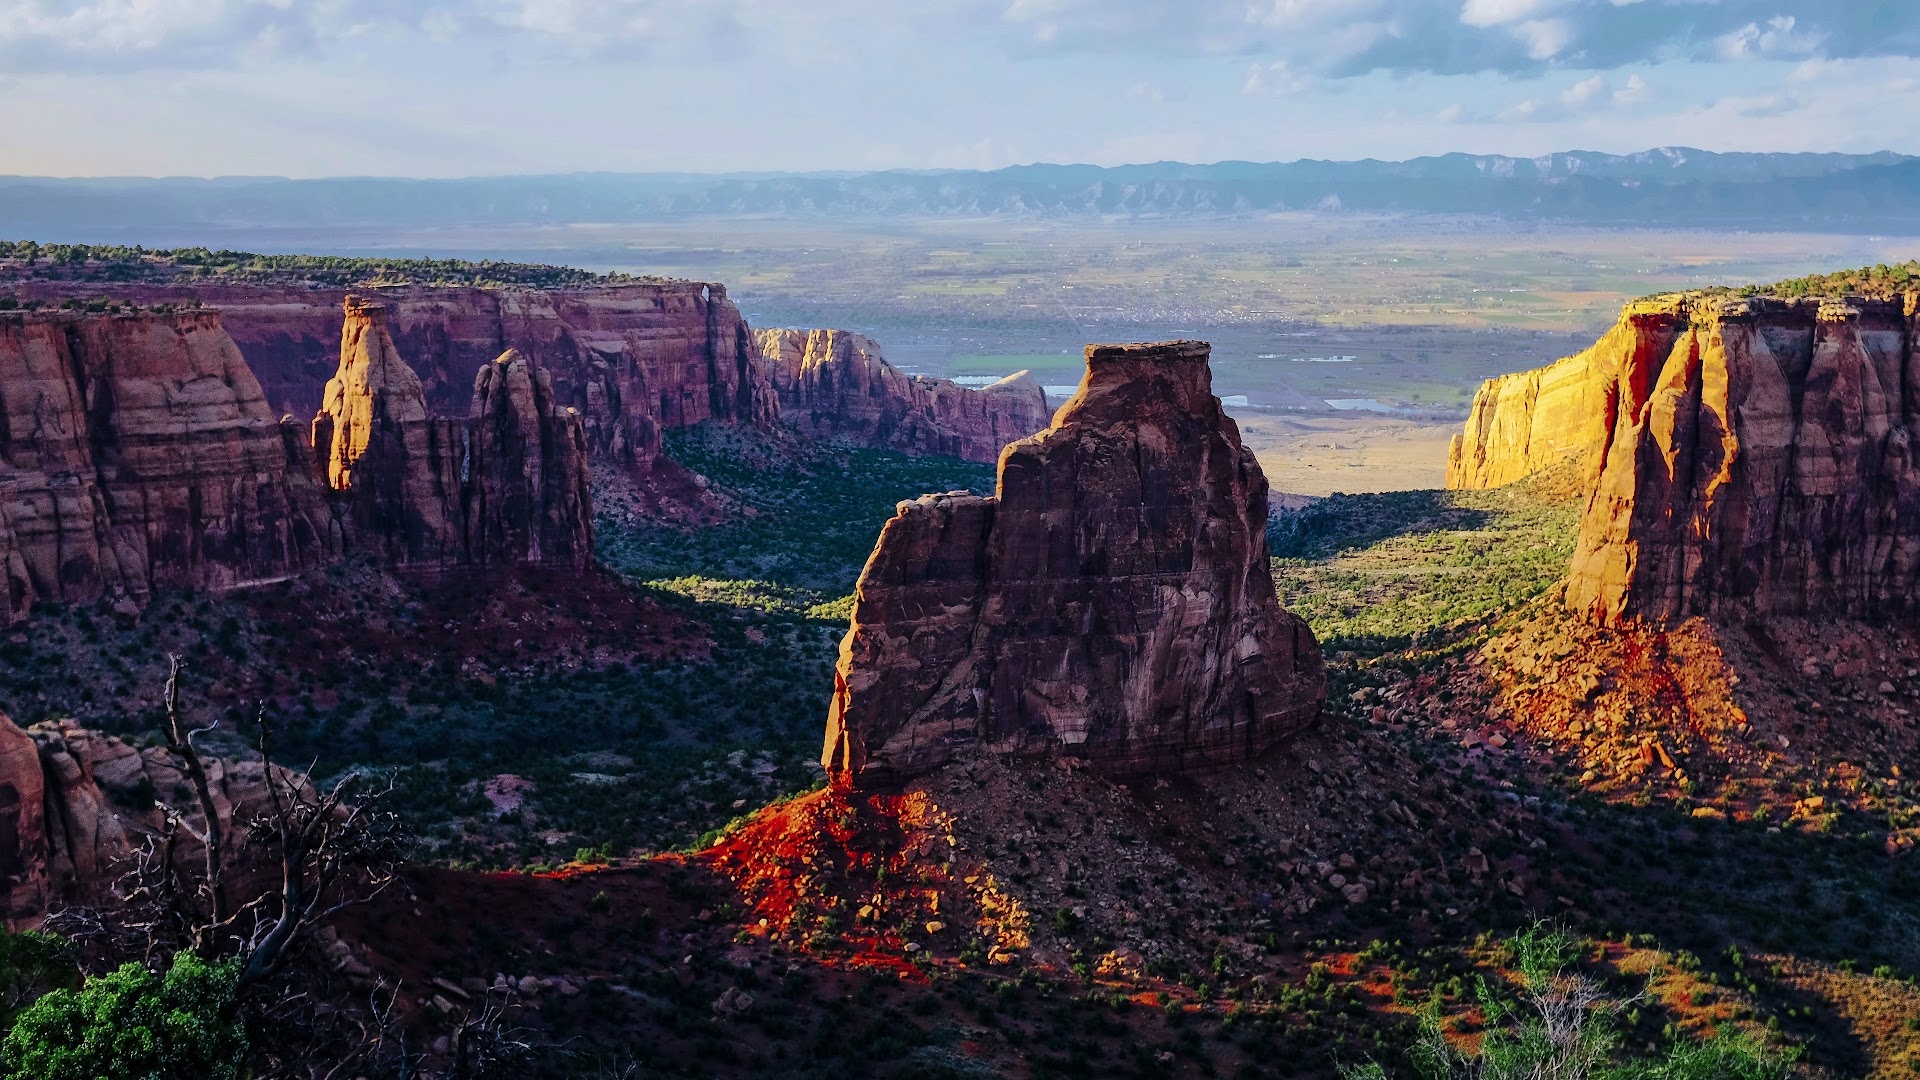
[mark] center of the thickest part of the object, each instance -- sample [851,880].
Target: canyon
[138,452]
[1111,602]
[634,359]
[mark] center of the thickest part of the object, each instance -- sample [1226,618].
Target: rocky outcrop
[137,452]
[634,360]
[1760,457]
[1527,421]
[1111,602]
[507,484]
[836,386]
[76,804]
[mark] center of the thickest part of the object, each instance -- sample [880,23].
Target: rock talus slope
[835,385]
[507,484]
[137,452]
[1112,602]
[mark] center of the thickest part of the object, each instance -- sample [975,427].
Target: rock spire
[1111,602]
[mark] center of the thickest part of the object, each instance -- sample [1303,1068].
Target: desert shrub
[1558,1022]
[133,1024]
[32,963]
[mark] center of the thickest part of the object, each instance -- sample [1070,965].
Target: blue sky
[468,87]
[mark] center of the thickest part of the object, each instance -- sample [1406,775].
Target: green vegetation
[1550,1019]
[133,1024]
[808,522]
[118,262]
[1880,282]
[31,963]
[1374,573]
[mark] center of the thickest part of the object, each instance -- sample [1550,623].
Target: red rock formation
[836,386]
[1112,602]
[635,360]
[1764,463]
[1524,422]
[137,452]
[23,827]
[507,484]
[75,804]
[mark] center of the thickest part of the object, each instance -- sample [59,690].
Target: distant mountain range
[1674,185]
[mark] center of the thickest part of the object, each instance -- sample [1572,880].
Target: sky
[492,87]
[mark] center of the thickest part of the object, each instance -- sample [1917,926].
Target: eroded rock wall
[138,452]
[836,386]
[1111,602]
[506,484]
[1530,420]
[1764,462]
[634,360]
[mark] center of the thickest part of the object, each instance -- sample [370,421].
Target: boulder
[1111,602]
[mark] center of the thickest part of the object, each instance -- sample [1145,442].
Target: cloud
[1778,36]
[1447,37]
[1289,40]
[1591,95]
[91,35]
[1279,77]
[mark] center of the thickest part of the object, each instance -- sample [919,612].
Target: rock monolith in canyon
[506,484]
[1111,602]
[836,386]
[137,452]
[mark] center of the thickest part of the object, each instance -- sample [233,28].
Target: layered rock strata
[1760,457]
[507,484]
[138,452]
[836,386]
[1111,602]
[634,360]
[1527,421]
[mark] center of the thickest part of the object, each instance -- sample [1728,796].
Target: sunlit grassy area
[1372,573]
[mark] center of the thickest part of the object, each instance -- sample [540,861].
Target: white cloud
[1584,92]
[1636,89]
[1780,35]
[1279,77]
[1502,12]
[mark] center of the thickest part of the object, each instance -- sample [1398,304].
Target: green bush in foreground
[1566,1026]
[132,1024]
[32,963]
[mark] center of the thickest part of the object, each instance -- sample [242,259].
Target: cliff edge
[137,452]
[835,385]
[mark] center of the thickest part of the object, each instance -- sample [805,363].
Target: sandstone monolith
[1111,602]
